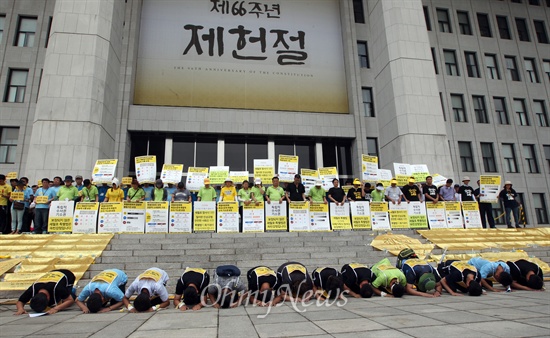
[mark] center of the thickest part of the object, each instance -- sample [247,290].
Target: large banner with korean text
[267,55]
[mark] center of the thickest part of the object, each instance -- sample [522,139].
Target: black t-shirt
[320,276]
[431,190]
[296,192]
[200,280]
[337,193]
[455,278]
[266,276]
[467,193]
[413,274]
[367,196]
[289,273]
[354,274]
[509,198]
[520,268]
[58,290]
[411,193]
[354,194]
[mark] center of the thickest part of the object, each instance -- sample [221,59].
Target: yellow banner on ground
[6,266]
[395,243]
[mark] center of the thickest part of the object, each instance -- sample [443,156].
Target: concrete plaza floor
[516,314]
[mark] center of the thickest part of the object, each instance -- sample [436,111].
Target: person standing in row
[355,193]
[206,193]
[511,205]
[228,192]
[336,194]
[257,191]
[296,191]
[68,192]
[377,195]
[42,209]
[181,194]
[485,209]
[466,192]
[135,193]
[115,194]
[411,192]
[317,193]
[393,193]
[430,191]
[275,192]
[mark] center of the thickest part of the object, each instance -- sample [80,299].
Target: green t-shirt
[158,195]
[377,196]
[67,193]
[385,272]
[135,195]
[274,194]
[317,194]
[88,195]
[207,194]
[257,194]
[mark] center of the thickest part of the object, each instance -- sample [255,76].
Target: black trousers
[486,209]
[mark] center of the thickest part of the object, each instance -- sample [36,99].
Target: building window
[358,11]
[503,29]
[540,112]
[458,108]
[521,112]
[466,157]
[500,109]
[26,31]
[372,146]
[444,21]
[240,152]
[547,155]
[480,110]
[523,32]
[517,1]
[2,21]
[464,23]
[450,62]
[427,18]
[484,25]
[540,30]
[442,106]
[17,83]
[488,154]
[8,144]
[531,69]
[509,155]
[540,208]
[471,64]
[197,151]
[368,102]
[546,67]
[531,158]
[492,66]
[363,54]
[337,153]
[435,61]
[511,68]
[534,2]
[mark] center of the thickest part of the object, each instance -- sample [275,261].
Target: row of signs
[183,217]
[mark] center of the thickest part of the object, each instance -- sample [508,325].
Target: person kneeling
[227,290]
[327,284]
[461,276]
[526,275]
[423,277]
[190,287]
[389,281]
[261,281]
[293,283]
[151,289]
[357,280]
[107,287]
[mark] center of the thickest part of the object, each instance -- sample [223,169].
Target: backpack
[404,255]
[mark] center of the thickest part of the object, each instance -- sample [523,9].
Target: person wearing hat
[18,207]
[421,278]
[79,184]
[42,210]
[511,206]
[160,194]
[377,195]
[389,281]
[393,193]
[67,192]
[206,193]
[355,193]
[317,193]
[296,191]
[466,192]
[336,194]
[257,191]
[228,192]
[411,191]
[275,192]
[485,209]
[115,194]
[135,193]
[89,193]
[461,276]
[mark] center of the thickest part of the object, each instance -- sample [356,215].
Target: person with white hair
[115,194]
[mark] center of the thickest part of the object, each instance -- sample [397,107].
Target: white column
[271,149]
[319,154]
[168,147]
[221,152]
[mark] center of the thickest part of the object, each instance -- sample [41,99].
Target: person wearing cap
[227,290]
[430,191]
[89,193]
[296,191]
[115,194]
[5,191]
[18,207]
[499,270]
[261,280]
[79,185]
[411,191]
[207,193]
[191,288]
[151,289]
[447,191]
[228,192]
[181,194]
[377,195]
[466,192]
[460,276]
[336,194]
[160,194]
[274,192]
[423,277]
[485,209]
[393,193]
[42,210]
[317,193]
[104,293]
[526,275]
[67,192]
[511,205]
[355,193]
[357,280]
[257,191]
[135,193]
[389,281]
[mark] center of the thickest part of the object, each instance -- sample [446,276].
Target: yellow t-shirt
[5,190]
[114,195]
[228,194]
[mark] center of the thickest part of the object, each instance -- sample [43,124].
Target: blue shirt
[487,268]
[101,191]
[171,192]
[50,193]
[55,189]
[26,195]
[148,193]
[108,290]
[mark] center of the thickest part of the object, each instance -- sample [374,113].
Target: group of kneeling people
[291,282]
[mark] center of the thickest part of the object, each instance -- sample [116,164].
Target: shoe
[510,227]
[518,227]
